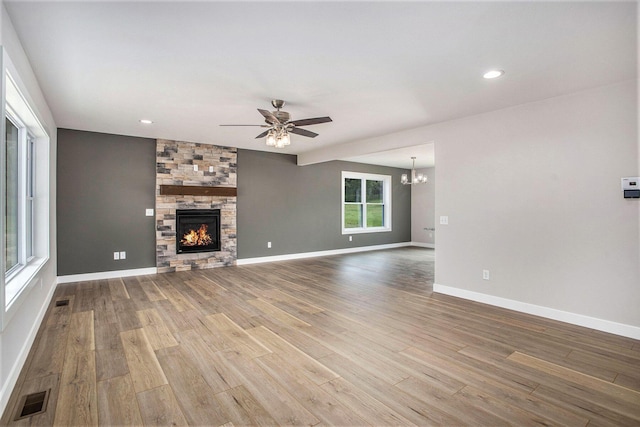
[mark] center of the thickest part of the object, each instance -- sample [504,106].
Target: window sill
[21,281]
[365,230]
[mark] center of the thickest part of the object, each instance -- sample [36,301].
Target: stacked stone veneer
[175,166]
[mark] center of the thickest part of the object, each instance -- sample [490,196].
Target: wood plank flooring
[348,340]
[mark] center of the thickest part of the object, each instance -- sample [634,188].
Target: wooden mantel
[197,190]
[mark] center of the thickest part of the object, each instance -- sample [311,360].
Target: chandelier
[415,179]
[278,138]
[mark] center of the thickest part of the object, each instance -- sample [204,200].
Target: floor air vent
[32,404]
[62,302]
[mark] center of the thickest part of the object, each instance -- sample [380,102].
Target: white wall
[18,334]
[533,195]
[423,201]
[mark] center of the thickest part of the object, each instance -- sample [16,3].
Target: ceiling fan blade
[263,134]
[269,116]
[303,132]
[314,121]
[262,126]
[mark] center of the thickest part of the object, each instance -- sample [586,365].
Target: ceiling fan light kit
[415,178]
[278,139]
[281,126]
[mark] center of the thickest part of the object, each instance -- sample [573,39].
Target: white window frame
[17,283]
[386,185]
[26,174]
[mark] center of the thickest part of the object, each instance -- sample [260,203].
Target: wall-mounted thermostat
[631,187]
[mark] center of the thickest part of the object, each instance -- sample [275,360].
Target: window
[19,195]
[366,203]
[24,172]
[12,202]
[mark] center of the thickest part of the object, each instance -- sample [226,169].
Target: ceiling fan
[280,125]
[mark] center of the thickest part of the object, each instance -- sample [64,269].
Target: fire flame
[197,238]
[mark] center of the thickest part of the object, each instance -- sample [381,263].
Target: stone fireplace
[192,167]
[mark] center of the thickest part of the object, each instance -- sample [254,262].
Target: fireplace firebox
[197,230]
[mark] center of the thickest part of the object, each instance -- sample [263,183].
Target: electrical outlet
[116,255]
[485,275]
[148,212]
[444,220]
[123,255]
[268,245]
[351,238]
[210,168]
[195,168]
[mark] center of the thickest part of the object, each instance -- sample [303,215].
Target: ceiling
[400,157]
[375,67]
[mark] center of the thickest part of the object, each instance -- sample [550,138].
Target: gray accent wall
[105,183]
[298,208]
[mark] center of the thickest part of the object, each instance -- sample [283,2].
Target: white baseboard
[14,372]
[424,245]
[107,275]
[537,310]
[288,257]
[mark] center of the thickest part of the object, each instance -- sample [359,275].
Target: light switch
[210,168]
[149,212]
[195,168]
[444,220]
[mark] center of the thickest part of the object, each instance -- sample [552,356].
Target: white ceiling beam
[403,139]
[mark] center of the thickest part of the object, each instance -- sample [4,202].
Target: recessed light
[146,121]
[493,74]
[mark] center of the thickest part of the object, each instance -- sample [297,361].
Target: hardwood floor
[346,340]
